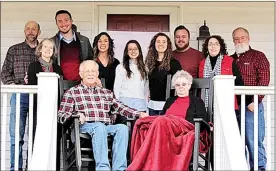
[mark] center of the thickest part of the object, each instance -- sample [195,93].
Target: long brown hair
[140,62]
[110,51]
[152,55]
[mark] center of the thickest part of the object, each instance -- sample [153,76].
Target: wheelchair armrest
[68,123]
[203,122]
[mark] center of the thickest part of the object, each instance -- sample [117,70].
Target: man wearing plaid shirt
[254,68]
[14,71]
[93,104]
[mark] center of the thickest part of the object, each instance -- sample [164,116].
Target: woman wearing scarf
[45,52]
[217,62]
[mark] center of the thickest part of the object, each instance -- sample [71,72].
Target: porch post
[44,149]
[228,150]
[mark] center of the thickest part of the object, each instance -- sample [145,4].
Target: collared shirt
[67,40]
[254,68]
[94,102]
[16,63]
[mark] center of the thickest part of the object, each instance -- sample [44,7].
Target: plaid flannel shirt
[94,102]
[254,68]
[16,63]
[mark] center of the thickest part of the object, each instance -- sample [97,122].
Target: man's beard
[241,48]
[31,37]
[182,48]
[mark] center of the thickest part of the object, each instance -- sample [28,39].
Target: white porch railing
[229,145]
[43,155]
[257,90]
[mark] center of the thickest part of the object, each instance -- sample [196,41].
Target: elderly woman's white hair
[182,74]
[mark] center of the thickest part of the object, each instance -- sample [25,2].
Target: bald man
[14,70]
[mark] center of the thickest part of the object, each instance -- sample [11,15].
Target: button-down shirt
[254,68]
[94,102]
[67,40]
[16,63]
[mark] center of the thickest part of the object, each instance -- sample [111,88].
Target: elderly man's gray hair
[88,61]
[182,74]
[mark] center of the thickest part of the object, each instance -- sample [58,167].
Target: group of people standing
[139,85]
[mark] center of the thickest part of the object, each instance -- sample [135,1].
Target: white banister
[44,149]
[229,150]
[268,91]
[5,90]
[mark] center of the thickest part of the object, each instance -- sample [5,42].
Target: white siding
[221,17]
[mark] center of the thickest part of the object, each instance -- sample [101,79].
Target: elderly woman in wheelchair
[166,142]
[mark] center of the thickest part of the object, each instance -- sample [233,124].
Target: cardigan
[195,110]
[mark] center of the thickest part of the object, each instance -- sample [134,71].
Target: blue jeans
[153,112]
[249,136]
[24,109]
[99,132]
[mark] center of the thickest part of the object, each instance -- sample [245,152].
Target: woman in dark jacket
[45,51]
[166,142]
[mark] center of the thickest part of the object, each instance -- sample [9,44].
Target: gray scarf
[208,72]
[46,65]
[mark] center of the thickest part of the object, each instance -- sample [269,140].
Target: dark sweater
[70,60]
[108,73]
[35,68]
[158,80]
[196,109]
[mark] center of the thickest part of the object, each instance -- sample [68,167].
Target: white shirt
[133,87]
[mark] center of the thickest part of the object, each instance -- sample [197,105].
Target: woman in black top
[45,50]
[103,49]
[160,63]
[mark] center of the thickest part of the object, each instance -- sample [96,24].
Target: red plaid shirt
[94,102]
[16,63]
[254,68]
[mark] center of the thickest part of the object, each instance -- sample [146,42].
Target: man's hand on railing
[26,78]
[250,107]
[143,114]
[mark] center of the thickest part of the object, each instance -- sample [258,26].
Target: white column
[224,112]
[44,150]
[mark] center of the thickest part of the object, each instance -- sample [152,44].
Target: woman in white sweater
[131,82]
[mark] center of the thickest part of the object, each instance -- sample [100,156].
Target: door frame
[161,8]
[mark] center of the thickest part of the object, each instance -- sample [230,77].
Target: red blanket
[163,143]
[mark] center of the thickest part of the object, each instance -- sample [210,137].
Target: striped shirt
[254,68]
[94,102]
[16,63]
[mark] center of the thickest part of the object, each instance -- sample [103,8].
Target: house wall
[222,18]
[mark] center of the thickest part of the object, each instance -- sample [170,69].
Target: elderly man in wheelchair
[92,104]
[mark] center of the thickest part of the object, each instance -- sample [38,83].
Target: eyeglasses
[183,84]
[213,44]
